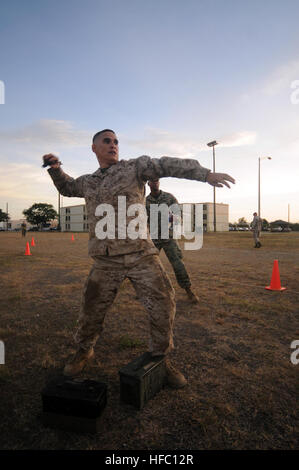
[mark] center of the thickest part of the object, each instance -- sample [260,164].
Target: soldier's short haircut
[99,133]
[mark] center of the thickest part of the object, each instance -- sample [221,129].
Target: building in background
[14,224]
[222,224]
[74,218]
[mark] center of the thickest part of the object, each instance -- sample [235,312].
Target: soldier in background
[170,246]
[121,257]
[23,228]
[256,226]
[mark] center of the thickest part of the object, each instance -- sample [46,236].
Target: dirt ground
[234,347]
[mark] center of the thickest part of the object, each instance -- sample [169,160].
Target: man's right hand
[51,160]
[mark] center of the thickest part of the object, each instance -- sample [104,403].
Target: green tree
[242,222]
[4,217]
[40,213]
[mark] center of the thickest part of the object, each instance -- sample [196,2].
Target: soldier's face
[154,185]
[106,149]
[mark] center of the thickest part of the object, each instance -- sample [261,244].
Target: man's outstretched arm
[66,185]
[151,168]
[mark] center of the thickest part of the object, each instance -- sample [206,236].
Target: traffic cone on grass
[32,242]
[27,252]
[275,280]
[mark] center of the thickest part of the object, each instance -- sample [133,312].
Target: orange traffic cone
[73,238]
[32,242]
[27,252]
[275,280]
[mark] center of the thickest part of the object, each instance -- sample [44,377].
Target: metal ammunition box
[73,404]
[141,379]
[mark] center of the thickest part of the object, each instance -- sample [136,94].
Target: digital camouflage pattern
[125,178]
[153,289]
[118,259]
[256,225]
[170,246]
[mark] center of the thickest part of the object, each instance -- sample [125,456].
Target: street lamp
[212,144]
[259,183]
[59,226]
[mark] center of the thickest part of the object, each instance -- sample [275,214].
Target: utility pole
[59,227]
[212,144]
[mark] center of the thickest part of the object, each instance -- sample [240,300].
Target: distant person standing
[23,228]
[256,226]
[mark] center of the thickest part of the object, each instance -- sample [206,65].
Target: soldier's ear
[93,148]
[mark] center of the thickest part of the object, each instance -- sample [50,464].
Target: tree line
[242,222]
[39,214]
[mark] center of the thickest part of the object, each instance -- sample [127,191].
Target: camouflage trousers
[256,236]
[153,289]
[174,255]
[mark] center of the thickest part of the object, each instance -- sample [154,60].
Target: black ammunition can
[73,404]
[141,379]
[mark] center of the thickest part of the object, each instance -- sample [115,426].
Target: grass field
[234,347]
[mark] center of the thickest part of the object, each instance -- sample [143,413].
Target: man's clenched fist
[51,160]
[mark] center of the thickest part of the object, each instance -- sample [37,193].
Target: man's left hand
[219,179]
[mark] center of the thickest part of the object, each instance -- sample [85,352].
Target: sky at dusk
[168,76]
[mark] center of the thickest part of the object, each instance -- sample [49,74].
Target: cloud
[282,78]
[48,132]
[161,142]
[21,181]
[238,139]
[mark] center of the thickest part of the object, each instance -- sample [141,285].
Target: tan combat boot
[192,297]
[78,362]
[174,377]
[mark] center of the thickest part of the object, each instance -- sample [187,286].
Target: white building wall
[74,219]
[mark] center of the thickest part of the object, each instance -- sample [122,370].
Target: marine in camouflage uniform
[256,226]
[170,246]
[124,257]
[23,228]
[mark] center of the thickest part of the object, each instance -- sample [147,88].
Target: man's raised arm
[151,168]
[66,185]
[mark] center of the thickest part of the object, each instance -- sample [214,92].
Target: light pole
[259,183]
[59,227]
[212,144]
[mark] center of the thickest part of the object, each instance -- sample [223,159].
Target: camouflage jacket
[125,178]
[163,198]
[256,224]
